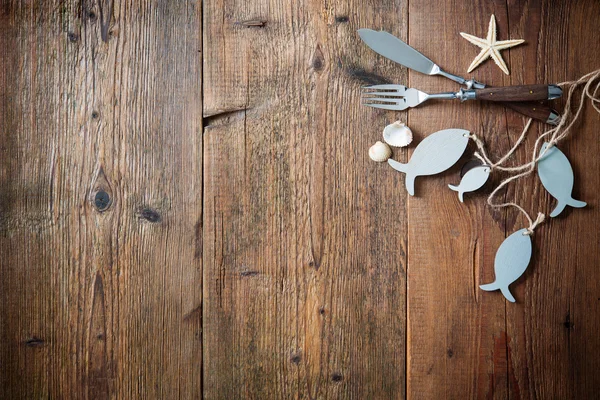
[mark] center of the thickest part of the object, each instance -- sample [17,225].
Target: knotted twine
[591,86]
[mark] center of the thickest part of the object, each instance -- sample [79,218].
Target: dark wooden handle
[535,110]
[513,93]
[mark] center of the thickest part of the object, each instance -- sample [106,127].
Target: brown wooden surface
[100,97]
[187,208]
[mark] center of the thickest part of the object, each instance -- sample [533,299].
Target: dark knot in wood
[73,37]
[92,16]
[34,342]
[149,215]
[337,377]
[101,197]
[102,200]
[318,60]
[258,23]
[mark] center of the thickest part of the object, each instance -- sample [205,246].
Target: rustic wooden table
[187,208]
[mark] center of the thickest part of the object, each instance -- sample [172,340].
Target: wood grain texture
[188,209]
[304,236]
[101,198]
[467,344]
[454,329]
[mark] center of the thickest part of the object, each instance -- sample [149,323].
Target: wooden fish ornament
[475,178]
[556,174]
[436,153]
[512,259]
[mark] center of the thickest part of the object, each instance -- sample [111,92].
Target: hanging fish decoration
[475,178]
[436,153]
[556,174]
[512,259]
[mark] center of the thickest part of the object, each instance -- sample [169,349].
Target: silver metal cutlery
[516,97]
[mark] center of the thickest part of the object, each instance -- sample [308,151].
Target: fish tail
[490,287]
[507,294]
[410,179]
[410,184]
[558,209]
[457,189]
[576,203]
[495,286]
[398,166]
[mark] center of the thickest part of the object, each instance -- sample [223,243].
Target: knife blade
[396,50]
[391,47]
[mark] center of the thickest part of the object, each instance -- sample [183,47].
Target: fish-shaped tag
[436,153]
[556,174]
[475,178]
[512,259]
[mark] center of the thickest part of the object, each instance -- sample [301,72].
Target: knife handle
[519,93]
[535,110]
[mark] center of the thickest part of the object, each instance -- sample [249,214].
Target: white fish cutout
[512,259]
[475,178]
[436,153]
[556,174]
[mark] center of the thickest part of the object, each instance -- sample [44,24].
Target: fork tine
[383,100]
[381,94]
[384,106]
[389,86]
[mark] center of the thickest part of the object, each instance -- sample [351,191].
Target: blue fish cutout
[512,259]
[475,178]
[436,153]
[556,174]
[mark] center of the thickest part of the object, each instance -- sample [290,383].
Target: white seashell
[397,134]
[380,152]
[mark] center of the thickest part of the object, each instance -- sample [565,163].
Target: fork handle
[519,93]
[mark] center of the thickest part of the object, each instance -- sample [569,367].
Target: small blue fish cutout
[512,259]
[436,153]
[475,178]
[556,174]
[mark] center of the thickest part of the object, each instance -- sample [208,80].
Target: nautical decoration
[475,178]
[436,153]
[442,149]
[490,47]
[380,152]
[556,174]
[512,259]
[397,134]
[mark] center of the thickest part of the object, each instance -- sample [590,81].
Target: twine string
[591,87]
[482,154]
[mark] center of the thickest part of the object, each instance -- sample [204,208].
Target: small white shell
[380,152]
[397,134]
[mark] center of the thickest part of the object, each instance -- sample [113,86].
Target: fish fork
[399,97]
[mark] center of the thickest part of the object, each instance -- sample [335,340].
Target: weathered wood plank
[304,236]
[100,206]
[321,278]
[457,335]
[554,332]
[523,350]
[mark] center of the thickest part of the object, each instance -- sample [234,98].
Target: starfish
[490,47]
